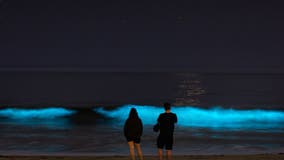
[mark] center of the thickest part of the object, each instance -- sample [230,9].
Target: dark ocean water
[83,113]
[80,89]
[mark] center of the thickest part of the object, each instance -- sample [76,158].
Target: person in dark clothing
[133,129]
[165,139]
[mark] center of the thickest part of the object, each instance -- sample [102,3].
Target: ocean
[54,113]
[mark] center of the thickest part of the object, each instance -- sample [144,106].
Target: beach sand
[187,157]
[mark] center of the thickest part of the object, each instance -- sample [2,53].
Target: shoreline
[278,156]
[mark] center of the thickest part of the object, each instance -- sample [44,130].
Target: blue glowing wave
[42,113]
[208,118]
[52,118]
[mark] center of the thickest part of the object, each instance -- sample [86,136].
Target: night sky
[40,39]
[227,36]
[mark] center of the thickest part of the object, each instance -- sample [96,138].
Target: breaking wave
[216,117]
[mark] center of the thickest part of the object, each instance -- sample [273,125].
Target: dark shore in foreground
[185,157]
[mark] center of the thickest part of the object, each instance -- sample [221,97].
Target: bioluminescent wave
[206,118]
[52,118]
[42,113]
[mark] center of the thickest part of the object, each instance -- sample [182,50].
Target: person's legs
[160,145]
[169,147]
[139,151]
[160,153]
[131,150]
[169,154]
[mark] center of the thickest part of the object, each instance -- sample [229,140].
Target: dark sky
[114,35]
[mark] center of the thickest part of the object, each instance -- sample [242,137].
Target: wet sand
[186,157]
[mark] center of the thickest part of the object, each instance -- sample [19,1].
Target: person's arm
[141,127]
[125,128]
[175,118]
[159,119]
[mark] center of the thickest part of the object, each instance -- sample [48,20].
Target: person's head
[167,106]
[133,113]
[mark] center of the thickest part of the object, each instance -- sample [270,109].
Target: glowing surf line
[42,113]
[197,117]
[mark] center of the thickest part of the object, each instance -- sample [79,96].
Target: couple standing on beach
[133,129]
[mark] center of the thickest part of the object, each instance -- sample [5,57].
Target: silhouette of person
[133,129]
[165,139]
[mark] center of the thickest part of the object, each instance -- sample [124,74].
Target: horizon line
[271,70]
